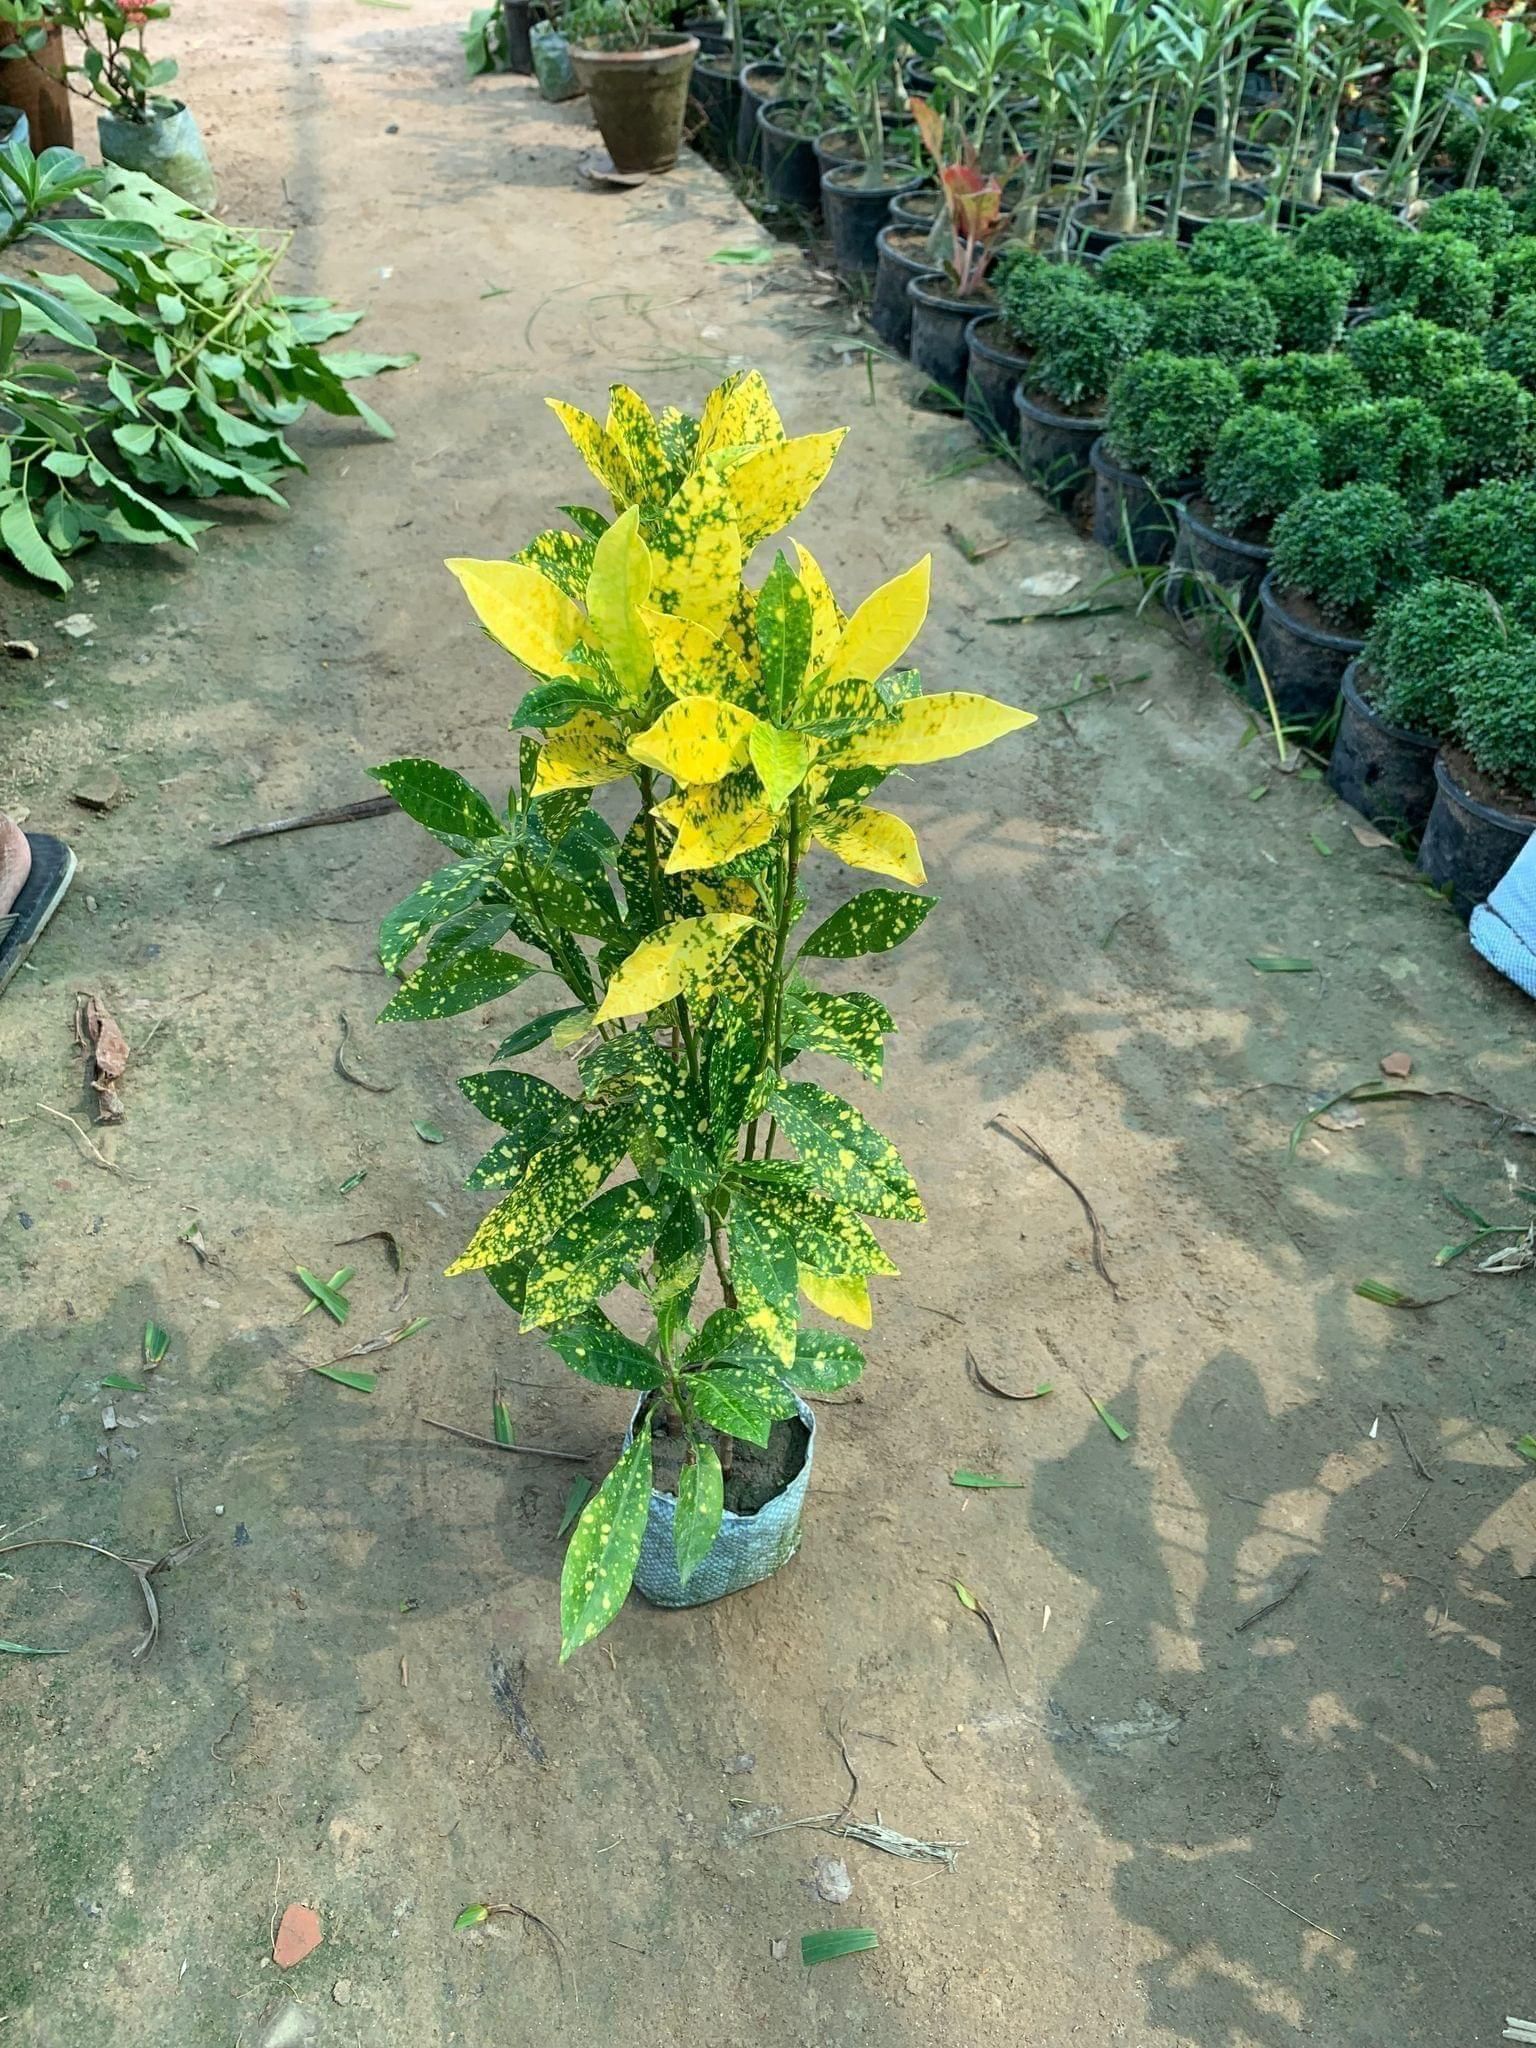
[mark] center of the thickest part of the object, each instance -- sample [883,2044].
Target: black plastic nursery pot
[715,91]
[1092,235]
[902,255]
[1385,771]
[1468,843]
[938,345]
[1247,202]
[518,16]
[919,208]
[758,87]
[709,32]
[1305,663]
[1129,518]
[639,98]
[1237,565]
[992,373]
[1055,450]
[856,212]
[787,157]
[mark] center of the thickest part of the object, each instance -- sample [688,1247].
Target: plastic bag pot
[14,127]
[938,345]
[791,174]
[753,84]
[35,87]
[1237,565]
[992,372]
[1129,517]
[552,65]
[1055,451]
[638,99]
[167,147]
[716,94]
[890,310]
[518,16]
[856,212]
[749,1548]
[1385,771]
[1468,843]
[1305,663]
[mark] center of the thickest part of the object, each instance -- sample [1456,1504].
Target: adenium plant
[752,724]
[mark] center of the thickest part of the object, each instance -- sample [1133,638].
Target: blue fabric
[748,1548]
[1504,928]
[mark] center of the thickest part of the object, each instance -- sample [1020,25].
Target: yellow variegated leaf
[695,740]
[619,585]
[522,611]
[696,553]
[727,895]
[876,840]
[738,414]
[781,760]
[884,626]
[692,662]
[932,729]
[714,822]
[580,754]
[683,958]
[827,622]
[775,484]
[598,450]
[848,1300]
[633,432]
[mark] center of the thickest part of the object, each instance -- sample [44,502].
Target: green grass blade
[156,1343]
[829,1943]
[1116,1429]
[325,1294]
[360,1382]
[982,1480]
[1280,963]
[26,1650]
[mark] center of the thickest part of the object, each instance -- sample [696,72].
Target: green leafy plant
[1483,216]
[1394,441]
[1310,298]
[1485,535]
[1496,714]
[1405,357]
[1514,271]
[1142,266]
[1416,647]
[485,41]
[1081,342]
[1489,422]
[1236,248]
[1311,386]
[1440,278]
[1214,315]
[1345,550]
[1262,462]
[750,724]
[1029,286]
[1434,35]
[117,68]
[1511,341]
[1361,236]
[614,24]
[1165,413]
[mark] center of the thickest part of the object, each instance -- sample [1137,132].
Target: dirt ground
[1178,1828]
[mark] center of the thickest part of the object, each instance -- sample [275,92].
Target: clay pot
[638,99]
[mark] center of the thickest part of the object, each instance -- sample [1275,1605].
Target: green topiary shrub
[1398,442]
[1440,278]
[1496,714]
[1418,643]
[1310,297]
[1142,265]
[1165,412]
[1030,287]
[1489,420]
[1360,236]
[1236,248]
[1511,342]
[1081,342]
[1263,462]
[1311,386]
[1483,216]
[1402,357]
[1486,535]
[1514,272]
[1346,550]
[1214,316]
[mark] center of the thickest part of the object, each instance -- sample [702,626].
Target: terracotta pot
[639,98]
[36,86]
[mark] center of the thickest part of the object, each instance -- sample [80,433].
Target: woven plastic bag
[748,1549]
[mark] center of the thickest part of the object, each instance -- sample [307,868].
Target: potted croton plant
[947,297]
[635,73]
[686,1172]
[143,128]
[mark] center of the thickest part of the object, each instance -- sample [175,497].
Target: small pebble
[219,1509]
[341,1991]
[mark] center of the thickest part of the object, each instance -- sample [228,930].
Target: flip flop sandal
[53,869]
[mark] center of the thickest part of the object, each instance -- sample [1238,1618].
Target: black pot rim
[1000,358]
[1490,814]
[1251,550]
[936,302]
[1079,218]
[1105,465]
[889,190]
[915,266]
[762,64]
[1361,706]
[765,112]
[1044,417]
[1315,636]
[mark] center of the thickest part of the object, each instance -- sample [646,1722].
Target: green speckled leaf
[462,981]
[551,704]
[561,1176]
[590,1254]
[602,1353]
[873,922]
[534,1032]
[851,1028]
[735,1060]
[823,1363]
[680,1246]
[696,552]
[600,1558]
[827,1235]
[440,897]
[738,1400]
[483,925]
[445,803]
[566,559]
[784,631]
[727,1338]
[528,1109]
[844,1156]
[700,1507]
[635,433]
[765,1275]
[510,1282]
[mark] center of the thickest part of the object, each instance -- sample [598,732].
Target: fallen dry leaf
[1398,1065]
[107,1061]
[1369,836]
